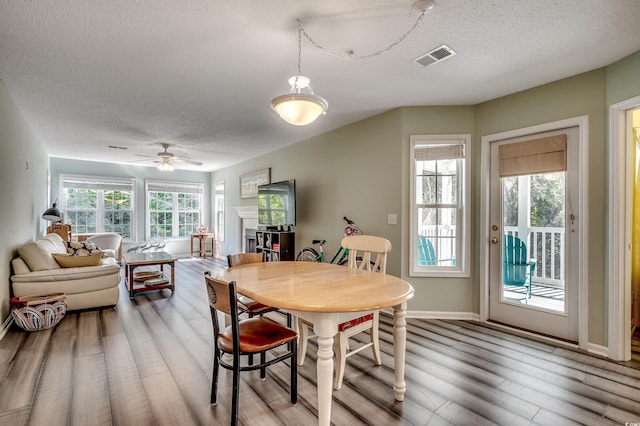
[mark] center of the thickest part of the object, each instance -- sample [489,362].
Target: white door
[532,207]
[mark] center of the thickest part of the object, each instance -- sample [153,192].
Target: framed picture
[249,182]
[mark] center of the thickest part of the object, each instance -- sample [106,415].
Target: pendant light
[296,107]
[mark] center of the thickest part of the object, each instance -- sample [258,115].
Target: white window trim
[169,186]
[131,182]
[219,235]
[462,268]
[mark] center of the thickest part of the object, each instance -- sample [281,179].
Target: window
[174,209]
[439,243]
[98,204]
[218,208]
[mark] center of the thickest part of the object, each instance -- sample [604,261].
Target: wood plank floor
[148,362]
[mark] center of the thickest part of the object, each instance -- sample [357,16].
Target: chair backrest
[367,252]
[243,258]
[106,241]
[515,268]
[222,298]
[426,252]
[515,250]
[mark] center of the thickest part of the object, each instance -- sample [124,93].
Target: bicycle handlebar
[349,221]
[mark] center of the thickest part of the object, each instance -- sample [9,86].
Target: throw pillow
[73,261]
[82,248]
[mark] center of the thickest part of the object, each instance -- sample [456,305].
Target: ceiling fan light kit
[165,165]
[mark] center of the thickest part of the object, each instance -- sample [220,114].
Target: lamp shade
[52,214]
[299,109]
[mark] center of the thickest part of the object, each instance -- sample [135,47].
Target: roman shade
[534,156]
[439,152]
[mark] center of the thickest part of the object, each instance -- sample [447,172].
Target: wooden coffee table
[159,258]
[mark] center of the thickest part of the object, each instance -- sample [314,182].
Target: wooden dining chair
[246,304]
[366,252]
[252,336]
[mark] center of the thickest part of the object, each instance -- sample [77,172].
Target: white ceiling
[200,73]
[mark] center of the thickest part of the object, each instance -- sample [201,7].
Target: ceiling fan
[165,158]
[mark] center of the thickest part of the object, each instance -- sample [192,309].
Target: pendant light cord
[349,55]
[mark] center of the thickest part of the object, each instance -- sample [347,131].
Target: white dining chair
[366,252]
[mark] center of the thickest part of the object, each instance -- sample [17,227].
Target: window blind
[434,152]
[534,156]
[97,183]
[183,187]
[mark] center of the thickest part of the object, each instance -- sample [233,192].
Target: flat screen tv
[277,204]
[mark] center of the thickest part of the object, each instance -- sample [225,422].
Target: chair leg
[340,349]
[263,370]
[214,379]
[303,333]
[236,391]
[294,373]
[375,339]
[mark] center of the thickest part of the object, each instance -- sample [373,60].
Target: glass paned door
[530,248]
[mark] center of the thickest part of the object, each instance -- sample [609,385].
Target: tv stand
[276,245]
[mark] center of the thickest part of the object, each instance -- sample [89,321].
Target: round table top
[317,287]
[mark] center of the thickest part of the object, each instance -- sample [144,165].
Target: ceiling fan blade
[186,160]
[144,155]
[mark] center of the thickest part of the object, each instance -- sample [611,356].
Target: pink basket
[38,311]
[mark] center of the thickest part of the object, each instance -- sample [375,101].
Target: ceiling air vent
[436,55]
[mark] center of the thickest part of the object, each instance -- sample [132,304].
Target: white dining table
[327,295]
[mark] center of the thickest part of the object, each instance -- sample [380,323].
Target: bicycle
[310,254]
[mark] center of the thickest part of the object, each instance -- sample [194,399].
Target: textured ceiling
[200,74]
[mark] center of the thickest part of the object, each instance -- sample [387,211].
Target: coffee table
[134,260]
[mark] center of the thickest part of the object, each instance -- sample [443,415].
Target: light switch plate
[392,219]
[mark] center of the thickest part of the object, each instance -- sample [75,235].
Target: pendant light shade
[299,108]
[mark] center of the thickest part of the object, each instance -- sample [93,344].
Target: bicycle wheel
[307,254]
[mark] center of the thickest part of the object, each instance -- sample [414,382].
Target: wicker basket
[38,311]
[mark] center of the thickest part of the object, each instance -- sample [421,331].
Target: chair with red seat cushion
[368,253]
[246,304]
[253,336]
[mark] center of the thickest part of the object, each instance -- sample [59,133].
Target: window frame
[175,188]
[218,209]
[98,183]
[461,268]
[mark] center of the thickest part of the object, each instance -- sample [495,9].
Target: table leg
[173,276]
[399,348]
[130,269]
[325,328]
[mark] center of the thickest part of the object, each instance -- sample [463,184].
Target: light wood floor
[149,362]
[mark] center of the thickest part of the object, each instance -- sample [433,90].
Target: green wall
[23,189]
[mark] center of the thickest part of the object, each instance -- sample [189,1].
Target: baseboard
[592,348]
[469,316]
[4,328]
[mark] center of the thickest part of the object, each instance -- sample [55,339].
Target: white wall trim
[583,256]
[619,244]
[247,212]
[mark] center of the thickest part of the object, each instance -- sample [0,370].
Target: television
[277,204]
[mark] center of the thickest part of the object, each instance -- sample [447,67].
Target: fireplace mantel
[247,212]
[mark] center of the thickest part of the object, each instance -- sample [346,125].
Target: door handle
[494,240]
